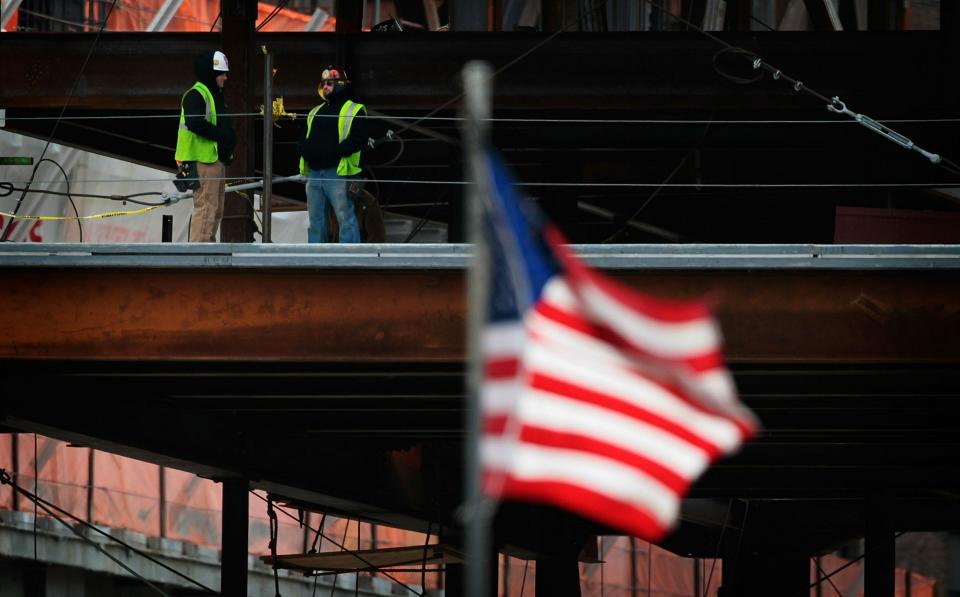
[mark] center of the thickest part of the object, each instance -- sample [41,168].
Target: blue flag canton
[521,263]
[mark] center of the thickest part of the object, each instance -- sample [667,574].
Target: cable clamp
[798,85]
[776,75]
[757,62]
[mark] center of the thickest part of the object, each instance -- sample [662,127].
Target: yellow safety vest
[350,164]
[191,147]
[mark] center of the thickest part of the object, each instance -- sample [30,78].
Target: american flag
[596,398]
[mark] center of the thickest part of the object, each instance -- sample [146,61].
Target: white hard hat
[220,61]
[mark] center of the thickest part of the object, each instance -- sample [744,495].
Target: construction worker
[330,156]
[206,139]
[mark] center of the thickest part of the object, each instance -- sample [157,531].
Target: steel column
[879,546]
[239,18]
[235,514]
[267,145]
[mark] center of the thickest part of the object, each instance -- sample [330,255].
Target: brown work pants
[207,203]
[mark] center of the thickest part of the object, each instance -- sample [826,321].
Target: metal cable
[73,90]
[343,548]
[723,529]
[832,104]
[514,120]
[850,563]
[601,185]
[49,507]
[536,47]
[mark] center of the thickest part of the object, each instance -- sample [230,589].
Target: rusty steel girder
[361,314]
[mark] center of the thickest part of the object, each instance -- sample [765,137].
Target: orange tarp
[193,508]
[62,473]
[202,16]
[126,494]
[126,490]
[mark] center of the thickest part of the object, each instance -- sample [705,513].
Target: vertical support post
[881,15]
[477,110]
[818,590]
[738,15]
[505,581]
[950,34]
[469,15]
[238,19]
[953,564]
[557,577]
[91,461]
[233,571]
[633,566]
[163,500]
[697,578]
[15,454]
[166,230]
[880,561]
[349,15]
[267,144]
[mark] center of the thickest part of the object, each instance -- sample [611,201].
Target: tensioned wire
[6,230]
[691,185]
[517,120]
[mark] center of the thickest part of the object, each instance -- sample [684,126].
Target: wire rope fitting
[757,63]
[776,74]
[836,106]
[798,85]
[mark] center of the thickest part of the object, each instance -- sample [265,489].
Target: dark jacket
[194,110]
[323,148]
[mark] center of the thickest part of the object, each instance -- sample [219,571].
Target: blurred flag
[596,398]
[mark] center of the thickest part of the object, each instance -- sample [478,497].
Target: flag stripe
[663,339]
[630,518]
[710,391]
[615,404]
[568,416]
[527,462]
[664,475]
[560,315]
[505,367]
[641,392]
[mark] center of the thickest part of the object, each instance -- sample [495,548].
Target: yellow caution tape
[90,217]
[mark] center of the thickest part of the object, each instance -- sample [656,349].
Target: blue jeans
[324,186]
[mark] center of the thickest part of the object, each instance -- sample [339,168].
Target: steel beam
[335,305]
[672,71]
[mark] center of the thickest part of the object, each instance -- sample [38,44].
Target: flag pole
[477,108]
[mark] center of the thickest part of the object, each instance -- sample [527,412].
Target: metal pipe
[478,101]
[164,15]
[91,464]
[267,144]
[163,500]
[15,467]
